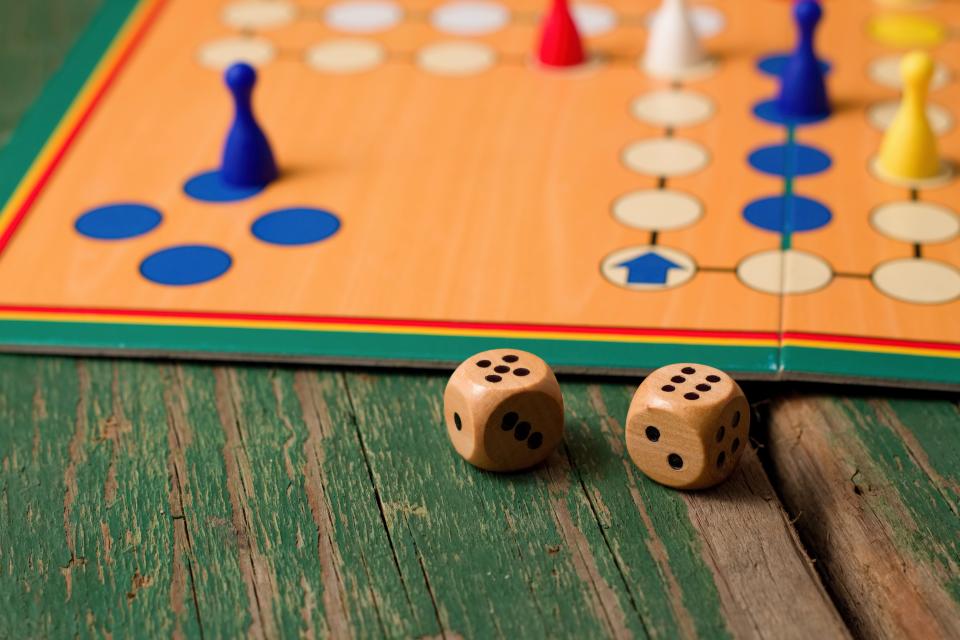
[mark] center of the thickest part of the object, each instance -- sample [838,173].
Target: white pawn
[673,46]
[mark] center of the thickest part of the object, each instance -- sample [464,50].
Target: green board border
[870,367]
[113,338]
[341,346]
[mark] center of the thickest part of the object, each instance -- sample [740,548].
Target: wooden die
[688,425]
[503,410]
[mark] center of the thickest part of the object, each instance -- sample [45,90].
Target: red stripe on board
[482,326]
[488,326]
[71,137]
[889,342]
[386,322]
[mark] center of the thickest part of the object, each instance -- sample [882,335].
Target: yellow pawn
[909,147]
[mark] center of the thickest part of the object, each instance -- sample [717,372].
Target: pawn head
[916,69]
[807,13]
[240,77]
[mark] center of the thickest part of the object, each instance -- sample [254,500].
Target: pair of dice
[687,425]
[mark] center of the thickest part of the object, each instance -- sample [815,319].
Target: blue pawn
[247,158]
[803,92]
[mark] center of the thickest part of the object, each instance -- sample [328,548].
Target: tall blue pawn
[247,158]
[803,92]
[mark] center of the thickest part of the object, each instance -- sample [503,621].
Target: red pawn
[560,44]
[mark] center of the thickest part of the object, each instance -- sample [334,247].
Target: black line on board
[669,131]
[841,274]
[917,250]
[662,182]
[653,236]
[717,269]
[914,194]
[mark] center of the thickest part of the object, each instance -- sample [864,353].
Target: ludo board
[441,194]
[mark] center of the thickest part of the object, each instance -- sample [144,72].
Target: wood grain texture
[742,541]
[193,501]
[873,487]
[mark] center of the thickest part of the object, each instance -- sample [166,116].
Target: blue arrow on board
[649,268]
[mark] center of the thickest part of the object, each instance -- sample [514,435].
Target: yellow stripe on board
[393,330]
[345,327]
[873,348]
[494,333]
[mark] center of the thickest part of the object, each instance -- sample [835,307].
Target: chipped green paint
[36,429]
[929,421]
[494,553]
[669,561]
[215,547]
[319,508]
[189,499]
[86,501]
[583,560]
[931,532]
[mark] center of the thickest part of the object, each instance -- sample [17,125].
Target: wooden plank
[182,500]
[321,560]
[85,523]
[874,487]
[603,550]
[499,556]
[737,530]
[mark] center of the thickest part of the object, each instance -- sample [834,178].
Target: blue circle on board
[118,221]
[770,111]
[787,214]
[773,65]
[185,264]
[295,226]
[789,160]
[210,187]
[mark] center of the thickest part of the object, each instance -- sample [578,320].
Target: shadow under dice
[503,410]
[688,425]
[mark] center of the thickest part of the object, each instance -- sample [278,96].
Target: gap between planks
[874,509]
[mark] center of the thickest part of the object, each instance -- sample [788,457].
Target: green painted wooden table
[164,499]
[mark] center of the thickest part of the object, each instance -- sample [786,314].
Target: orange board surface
[442,192]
